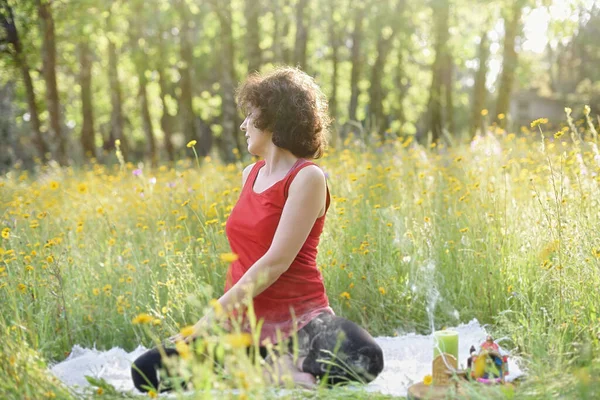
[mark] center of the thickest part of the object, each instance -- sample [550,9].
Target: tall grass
[502,229]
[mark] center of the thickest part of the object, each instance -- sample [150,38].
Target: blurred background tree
[76,75]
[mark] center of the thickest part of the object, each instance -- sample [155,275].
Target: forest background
[75,75]
[463,165]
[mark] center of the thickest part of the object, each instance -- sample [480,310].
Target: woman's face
[256,139]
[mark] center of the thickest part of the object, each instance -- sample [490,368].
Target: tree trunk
[253,35]
[276,45]
[441,11]
[116,114]
[356,59]
[12,36]
[229,136]
[302,11]
[140,61]
[8,142]
[188,120]
[512,27]
[334,38]
[49,67]
[87,109]
[479,90]
[285,47]
[146,120]
[449,106]
[376,119]
[166,118]
[402,86]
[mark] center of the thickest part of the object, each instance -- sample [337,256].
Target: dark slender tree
[230,135]
[479,89]
[87,108]
[441,14]
[356,59]
[49,68]
[253,8]
[512,27]
[186,111]
[402,85]
[302,19]
[140,60]
[449,93]
[19,56]
[116,115]
[8,142]
[335,42]
[376,119]
[166,119]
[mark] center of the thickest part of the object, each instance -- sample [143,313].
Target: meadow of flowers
[502,229]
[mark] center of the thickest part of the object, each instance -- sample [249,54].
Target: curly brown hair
[292,107]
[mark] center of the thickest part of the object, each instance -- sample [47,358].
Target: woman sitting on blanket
[275,229]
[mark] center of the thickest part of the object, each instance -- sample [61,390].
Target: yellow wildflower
[5,233]
[427,380]
[22,288]
[142,318]
[484,112]
[99,391]
[54,185]
[539,121]
[152,394]
[82,188]
[217,307]
[238,340]
[187,331]
[229,257]
[183,349]
[382,290]
[345,295]
[191,143]
[96,291]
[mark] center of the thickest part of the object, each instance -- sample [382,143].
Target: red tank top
[299,292]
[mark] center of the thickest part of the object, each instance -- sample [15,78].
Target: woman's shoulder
[247,171]
[311,169]
[310,174]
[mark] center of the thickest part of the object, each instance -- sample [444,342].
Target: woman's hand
[198,327]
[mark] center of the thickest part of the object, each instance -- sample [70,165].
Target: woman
[275,229]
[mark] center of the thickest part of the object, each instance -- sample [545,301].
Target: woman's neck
[278,160]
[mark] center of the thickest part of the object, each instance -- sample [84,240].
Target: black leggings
[334,347]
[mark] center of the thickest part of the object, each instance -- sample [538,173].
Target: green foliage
[157,25]
[501,230]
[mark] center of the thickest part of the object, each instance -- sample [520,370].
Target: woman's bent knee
[371,360]
[144,371]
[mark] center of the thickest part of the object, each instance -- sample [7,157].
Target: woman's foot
[282,370]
